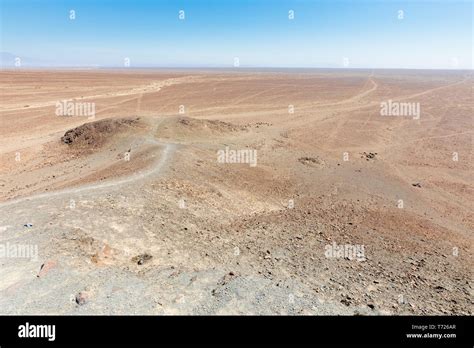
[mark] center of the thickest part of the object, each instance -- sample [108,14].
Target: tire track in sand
[153,87]
[168,149]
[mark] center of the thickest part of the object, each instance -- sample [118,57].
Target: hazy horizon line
[97,67]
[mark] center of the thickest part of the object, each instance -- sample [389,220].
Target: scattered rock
[46,267]
[346,300]
[369,156]
[417,184]
[311,161]
[81,298]
[142,258]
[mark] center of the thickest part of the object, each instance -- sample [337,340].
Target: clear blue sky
[432,34]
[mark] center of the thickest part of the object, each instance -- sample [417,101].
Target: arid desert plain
[238,191]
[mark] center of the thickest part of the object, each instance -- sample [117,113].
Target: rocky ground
[133,213]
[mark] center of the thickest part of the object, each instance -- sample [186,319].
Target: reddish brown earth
[134,209]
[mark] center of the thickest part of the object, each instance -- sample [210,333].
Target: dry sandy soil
[132,213]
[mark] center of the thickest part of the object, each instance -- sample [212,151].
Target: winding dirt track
[158,166]
[153,87]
